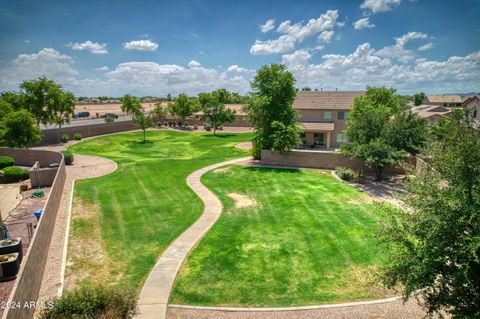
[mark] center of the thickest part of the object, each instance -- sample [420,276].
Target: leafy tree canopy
[47,101]
[435,246]
[272,98]
[20,129]
[419,98]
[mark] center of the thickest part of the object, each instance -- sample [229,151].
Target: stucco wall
[27,284]
[322,160]
[51,136]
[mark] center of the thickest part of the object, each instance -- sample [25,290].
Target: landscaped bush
[256,151]
[207,127]
[68,156]
[77,136]
[64,138]
[346,174]
[220,127]
[6,161]
[109,119]
[195,127]
[165,124]
[13,174]
[93,302]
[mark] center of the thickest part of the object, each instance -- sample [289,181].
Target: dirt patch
[364,198]
[244,146]
[87,259]
[365,279]
[241,201]
[222,170]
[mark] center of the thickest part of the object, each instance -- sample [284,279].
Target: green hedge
[6,161]
[13,174]
[93,302]
[68,156]
[64,138]
[346,174]
[77,136]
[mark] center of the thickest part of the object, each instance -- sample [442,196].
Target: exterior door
[319,138]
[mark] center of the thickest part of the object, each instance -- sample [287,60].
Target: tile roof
[444,98]
[325,100]
[426,111]
[318,126]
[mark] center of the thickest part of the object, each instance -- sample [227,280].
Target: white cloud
[325,36]
[365,66]
[103,68]
[26,41]
[94,47]
[194,64]
[293,33]
[398,50]
[238,69]
[268,26]
[141,45]
[379,5]
[426,47]
[363,23]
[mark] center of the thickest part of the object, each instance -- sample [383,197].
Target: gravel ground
[388,310]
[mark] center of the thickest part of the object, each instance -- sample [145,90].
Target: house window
[327,115]
[341,138]
[342,115]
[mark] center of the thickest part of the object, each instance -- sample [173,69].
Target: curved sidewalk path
[156,290]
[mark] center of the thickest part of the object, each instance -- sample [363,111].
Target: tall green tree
[435,246]
[273,92]
[15,99]
[418,98]
[20,129]
[182,107]
[47,101]
[131,105]
[381,132]
[215,114]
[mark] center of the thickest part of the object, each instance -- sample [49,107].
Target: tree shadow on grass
[273,169]
[219,135]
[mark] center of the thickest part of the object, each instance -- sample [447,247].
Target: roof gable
[325,100]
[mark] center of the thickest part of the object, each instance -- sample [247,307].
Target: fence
[29,279]
[323,160]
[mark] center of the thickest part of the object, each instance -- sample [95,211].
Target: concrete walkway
[154,295]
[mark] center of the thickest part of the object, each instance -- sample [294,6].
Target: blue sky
[160,47]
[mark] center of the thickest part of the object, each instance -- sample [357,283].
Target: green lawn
[307,239]
[122,222]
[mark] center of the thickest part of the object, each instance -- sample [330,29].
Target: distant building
[432,113]
[443,100]
[323,115]
[472,104]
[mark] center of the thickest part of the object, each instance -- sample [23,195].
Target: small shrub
[6,161]
[165,124]
[256,151]
[359,177]
[220,127]
[346,174]
[109,119]
[68,156]
[64,138]
[77,136]
[93,302]
[13,174]
[195,127]
[179,124]
[207,127]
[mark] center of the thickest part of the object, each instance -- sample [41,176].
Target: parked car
[112,115]
[82,114]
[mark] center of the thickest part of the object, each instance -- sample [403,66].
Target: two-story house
[324,115]
[443,100]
